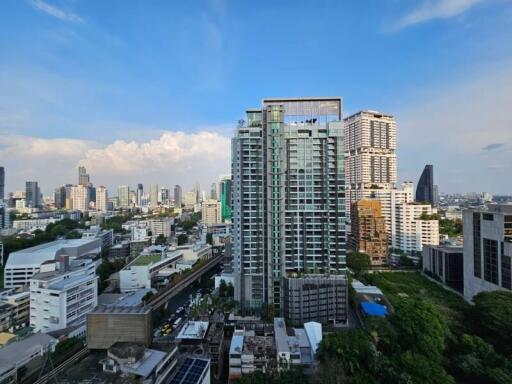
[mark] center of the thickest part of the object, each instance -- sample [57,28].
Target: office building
[370,155]
[153,195]
[2,183]
[211,212]
[191,199]
[80,198]
[62,294]
[425,188]
[123,196]
[417,225]
[5,219]
[163,226]
[288,198]
[101,199]
[445,262]
[19,303]
[59,197]
[436,195]
[83,177]
[225,198]
[22,265]
[139,194]
[369,233]
[213,191]
[487,249]
[178,196]
[32,195]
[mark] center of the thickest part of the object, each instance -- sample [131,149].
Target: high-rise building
[213,191]
[211,212]
[101,199]
[153,195]
[436,195]
[487,249]
[80,198]
[123,195]
[32,195]
[370,155]
[197,190]
[369,233]
[191,199]
[5,219]
[2,183]
[83,176]
[289,202]
[178,196]
[416,225]
[140,193]
[165,195]
[225,198]
[425,188]
[60,197]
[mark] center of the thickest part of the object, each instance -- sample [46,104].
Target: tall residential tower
[289,209]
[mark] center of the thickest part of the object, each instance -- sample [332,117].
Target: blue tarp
[373,309]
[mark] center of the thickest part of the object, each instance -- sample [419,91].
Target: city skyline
[160,95]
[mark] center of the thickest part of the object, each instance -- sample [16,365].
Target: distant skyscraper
[436,195]
[425,188]
[225,197]
[101,199]
[80,198]
[165,195]
[210,212]
[178,196]
[370,155]
[140,193]
[123,195]
[60,197]
[197,190]
[32,194]
[83,177]
[213,191]
[153,195]
[2,183]
[289,209]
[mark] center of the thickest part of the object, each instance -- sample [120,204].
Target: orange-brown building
[369,233]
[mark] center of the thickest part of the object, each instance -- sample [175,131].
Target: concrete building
[83,176]
[105,235]
[123,196]
[101,199]
[178,196]
[288,197]
[62,294]
[191,199]
[139,194]
[30,225]
[369,234]
[20,353]
[162,227]
[319,298]
[109,324]
[59,197]
[193,371]
[32,195]
[487,249]
[370,155]
[19,307]
[143,271]
[22,265]
[446,263]
[153,195]
[80,198]
[416,225]
[211,212]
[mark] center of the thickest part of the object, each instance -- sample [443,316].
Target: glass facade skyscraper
[425,188]
[288,197]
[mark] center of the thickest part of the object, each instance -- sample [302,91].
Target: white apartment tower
[211,212]
[80,198]
[370,155]
[416,225]
[101,199]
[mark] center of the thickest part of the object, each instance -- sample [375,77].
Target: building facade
[416,225]
[80,198]
[211,212]
[487,249]
[445,262]
[153,195]
[32,195]
[369,234]
[425,188]
[225,198]
[123,196]
[101,199]
[288,196]
[178,196]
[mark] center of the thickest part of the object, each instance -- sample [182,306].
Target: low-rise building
[105,235]
[22,265]
[193,332]
[30,225]
[446,263]
[119,251]
[19,301]
[162,227]
[142,272]
[192,371]
[108,324]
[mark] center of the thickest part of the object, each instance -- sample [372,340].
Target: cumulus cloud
[436,9]
[172,158]
[57,12]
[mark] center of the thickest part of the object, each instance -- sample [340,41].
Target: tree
[160,240]
[358,262]
[209,238]
[73,235]
[222,288]
[421,328]
[268,312]
[182,239]
[417,368]
[492,315]
[58,230]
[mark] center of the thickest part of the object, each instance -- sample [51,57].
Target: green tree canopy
[182,239]
[160,240]
[358,262]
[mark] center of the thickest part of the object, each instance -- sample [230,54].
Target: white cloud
[173,158]
[57,12]
[436,9]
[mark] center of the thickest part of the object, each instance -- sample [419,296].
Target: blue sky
[151,90]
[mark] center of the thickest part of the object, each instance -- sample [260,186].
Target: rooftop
[18,351]
[193,330]
[147,259]
[116,309]
[191,371]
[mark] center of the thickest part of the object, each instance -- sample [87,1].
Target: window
[488,216]
[491,261]
[505,272]
[477,251]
